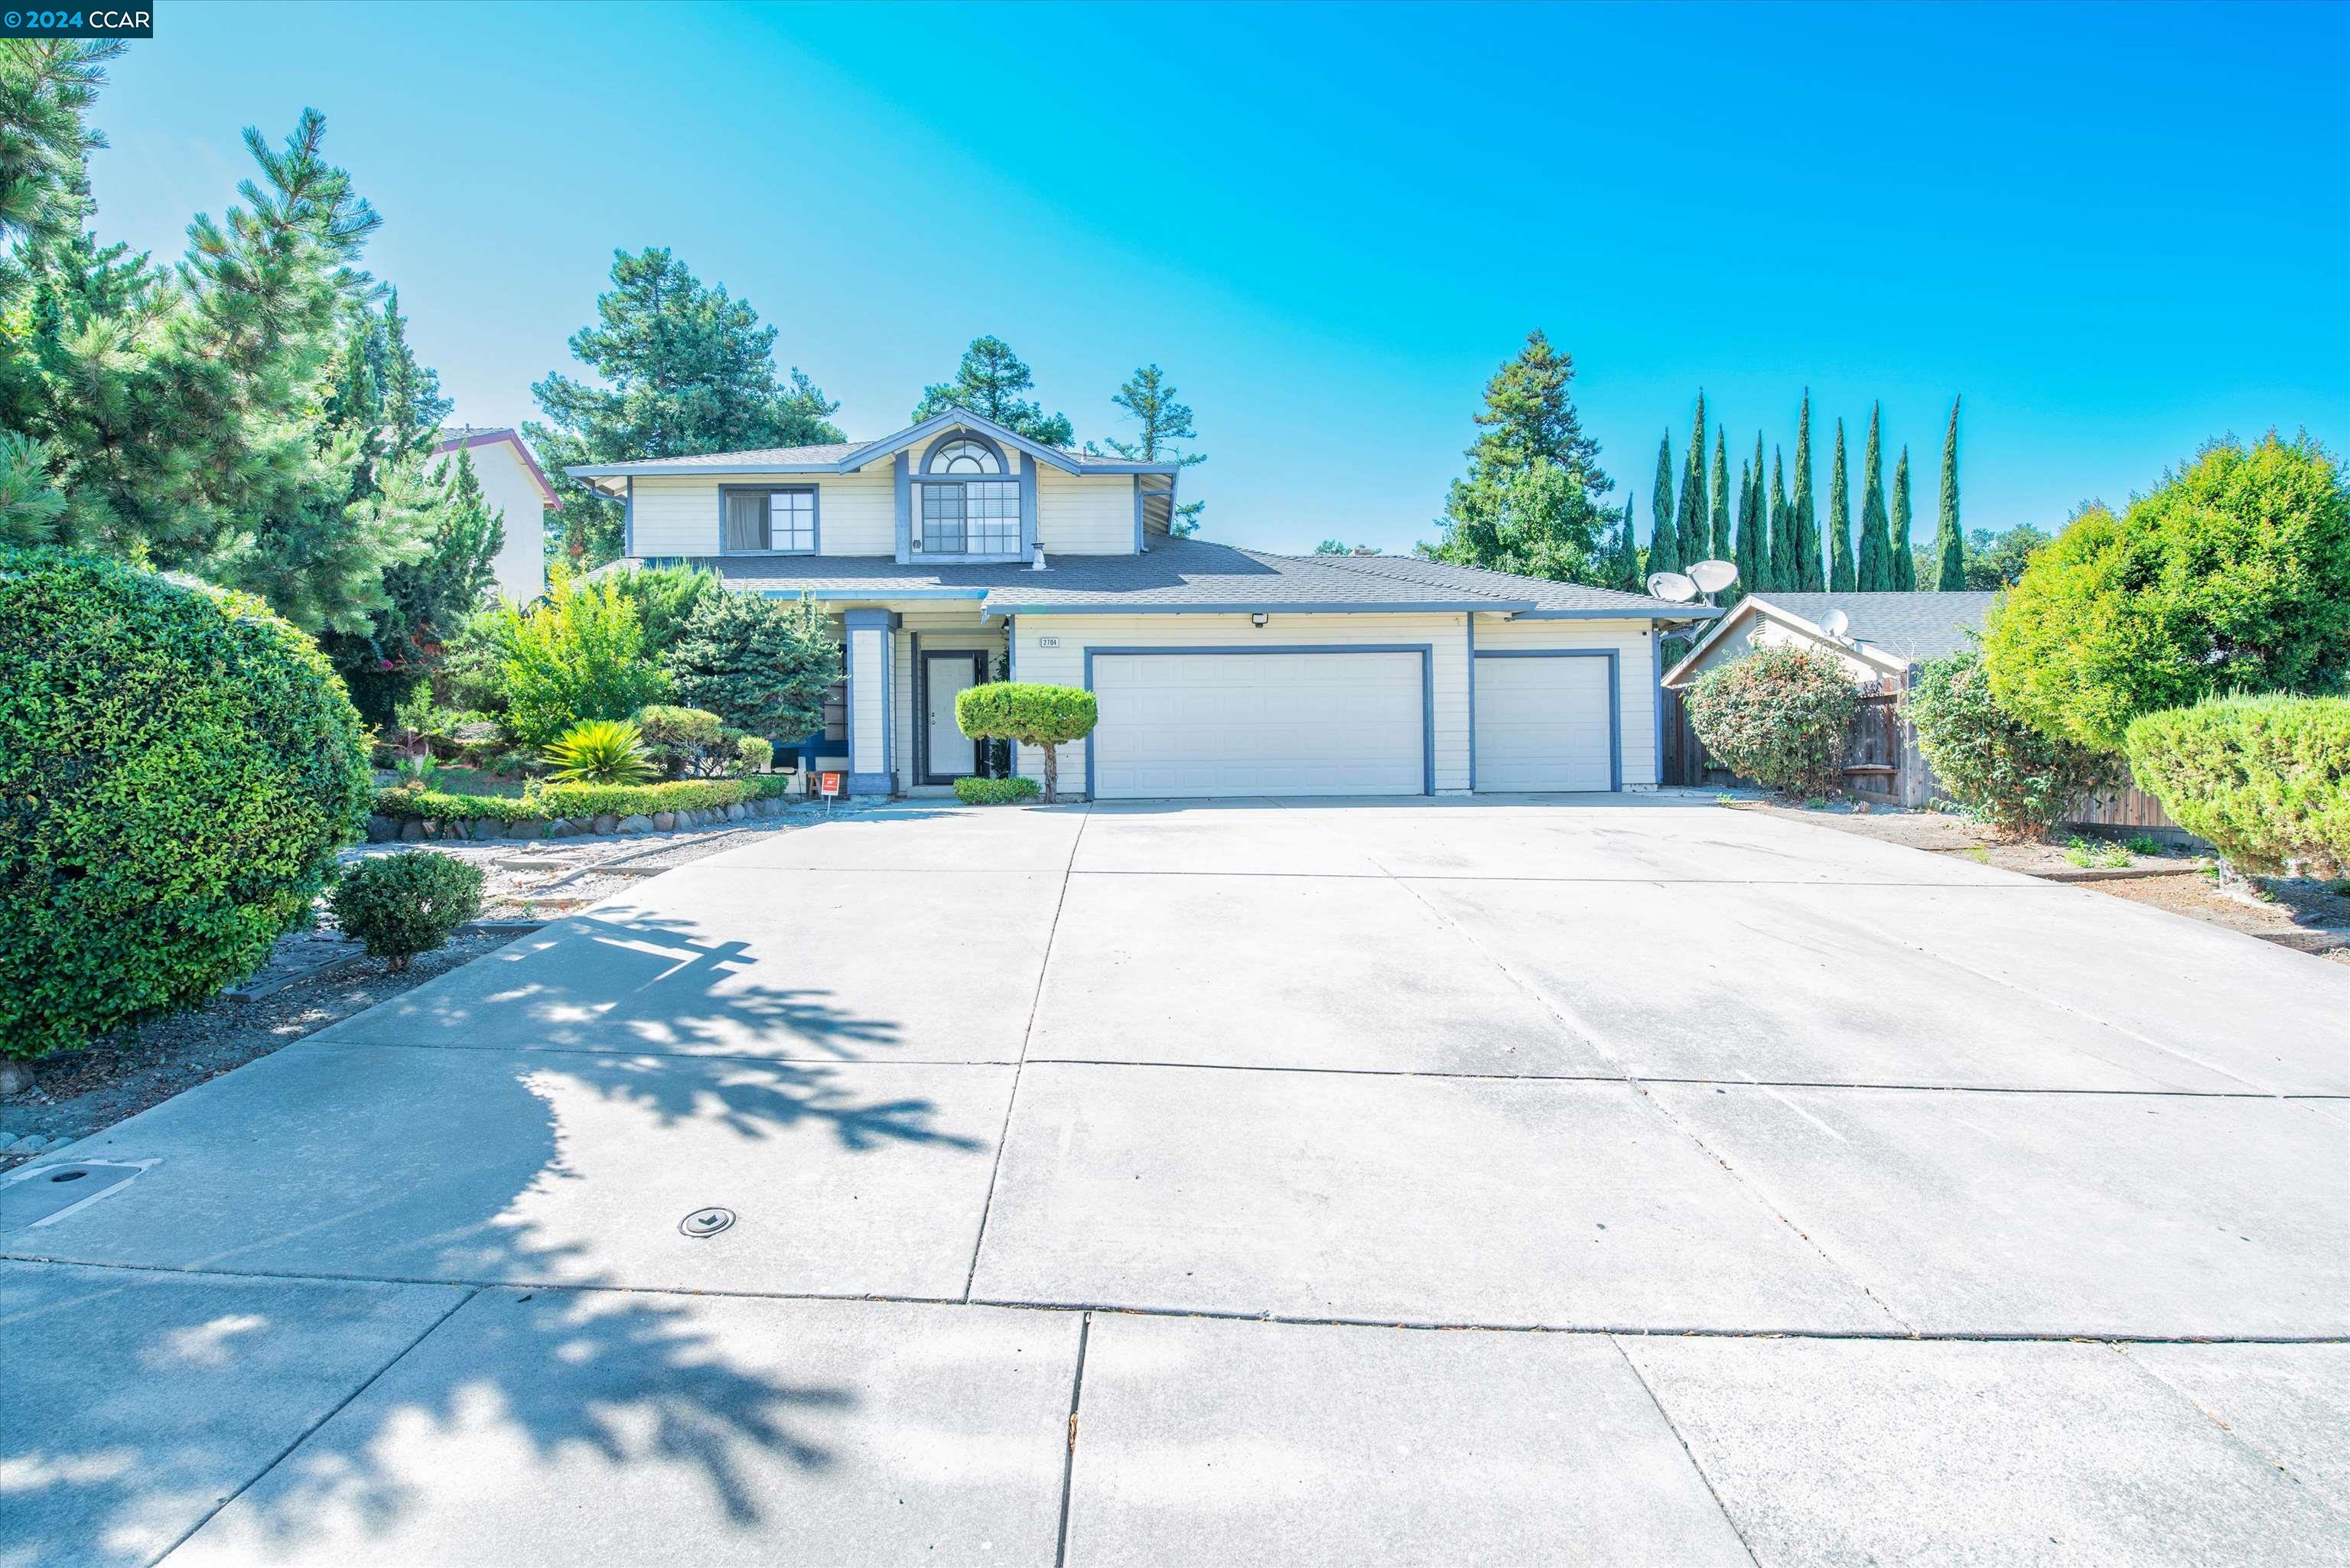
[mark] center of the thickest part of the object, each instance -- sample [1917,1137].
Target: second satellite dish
[1672,588]
[1712,577]
[1835,622]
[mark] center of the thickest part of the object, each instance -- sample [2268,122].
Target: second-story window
[961,505]
[771,519]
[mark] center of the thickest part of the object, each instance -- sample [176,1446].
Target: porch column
[872,766]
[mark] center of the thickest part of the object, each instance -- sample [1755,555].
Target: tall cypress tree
[1747,553]
[1876,572]
[1719,546]
[1664,542]
[1694,528]
[1809,578]
[1949,545]
[1785,578]
[1904,554]
[1626,558]
[1841,579]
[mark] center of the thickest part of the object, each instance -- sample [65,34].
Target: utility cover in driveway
[1250,723]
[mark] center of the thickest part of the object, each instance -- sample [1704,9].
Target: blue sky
[2117,229]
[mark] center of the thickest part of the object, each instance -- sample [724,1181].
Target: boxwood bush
[1778,716]
[177,767]
[2266,779]
[2019,779]
[543,801]
[403,905]
[995,792]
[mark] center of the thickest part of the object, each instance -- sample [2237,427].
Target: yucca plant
[600,752]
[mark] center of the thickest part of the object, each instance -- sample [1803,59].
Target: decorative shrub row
[570,800]
[995,792]
[2265,779]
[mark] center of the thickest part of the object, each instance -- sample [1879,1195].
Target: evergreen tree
[1146,396]
[1627,557]
[47,85]
[761,664]
[1664,540]
[1694,528]
[429,597]
[1905,552]
[1842,580]
[687,369]
[1785,579]
[412,406]
[1753,552]
[1877,573]
[1530,501]
[1950,548]
[1742,553]
[1809,576]
[988,382]
[1718,545]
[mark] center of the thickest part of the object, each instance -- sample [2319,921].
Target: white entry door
[948,753]
[1247,722]
[1544,722]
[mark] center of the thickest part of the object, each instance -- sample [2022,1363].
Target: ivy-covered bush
[2266,779]
[2019,779]
[406,904]
[995,792]
[1778,716]
[177,767]
[1032,715]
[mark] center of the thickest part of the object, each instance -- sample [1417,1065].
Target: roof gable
[469,438]
[1891,630]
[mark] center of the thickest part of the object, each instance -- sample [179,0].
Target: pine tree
[1664,542]
[413,406]
[1810,578]
[1876,573]
[1904,554]
[1842,580]
[1692,528]
[1146,396]
[1719,546]
[1950,546]
[1530,501]
[988,382]
[1783,576]
[1626,558]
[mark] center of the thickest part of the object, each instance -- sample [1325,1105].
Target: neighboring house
[513,482]
[1885,634]
[956,549]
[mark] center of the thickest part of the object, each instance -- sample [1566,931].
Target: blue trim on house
[1469,620]
[885,622]
[866,596]
[1427,652]
[815,517]
[905,511]
[1027,510]
[1339,607]
[1665,612]
[1615,702]
[1002,464]
[1656,703]
[629,521]
[914,434]
[1137,514]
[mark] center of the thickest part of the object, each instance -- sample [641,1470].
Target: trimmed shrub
[578,654]
[550,800]
[177,769]
[995,792]
[2016,778]
[2234,575]
[600,752]
[688,743]
[1778,716]
[406,904]
[1030,714]
[753,754]
[2266,779]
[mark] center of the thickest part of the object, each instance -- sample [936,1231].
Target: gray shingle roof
[1181,574]
[1910,627]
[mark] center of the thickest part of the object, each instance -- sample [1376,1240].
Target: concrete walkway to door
[1585,1179]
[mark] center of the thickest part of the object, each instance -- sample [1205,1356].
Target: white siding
[941,631]
[1084,516]
[867,702]
[506,484]
[1064,664]
[1634,644]
[856,513]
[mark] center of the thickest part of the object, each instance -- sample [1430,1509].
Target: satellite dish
[1833,623]
[1712,577]
[1672,588]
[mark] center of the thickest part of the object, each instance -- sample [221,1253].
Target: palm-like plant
[600,752]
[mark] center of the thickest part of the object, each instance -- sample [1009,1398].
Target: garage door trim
[1426,650]
[1615,702]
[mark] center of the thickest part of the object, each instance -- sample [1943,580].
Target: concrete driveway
[1622,1179]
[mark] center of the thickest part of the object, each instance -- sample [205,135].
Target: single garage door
[1253,723]
[1545,723]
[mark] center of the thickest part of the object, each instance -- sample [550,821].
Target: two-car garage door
[1253,722]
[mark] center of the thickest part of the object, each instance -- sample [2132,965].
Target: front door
[949,754]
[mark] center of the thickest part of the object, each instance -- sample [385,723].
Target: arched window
[965,455]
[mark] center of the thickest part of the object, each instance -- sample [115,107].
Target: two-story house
[955,546]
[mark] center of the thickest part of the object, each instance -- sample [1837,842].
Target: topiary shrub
[753,754]
[2266,779]
[405,904]
[177,769]
[994,792]
[2234,575]
[688,743]
[1032,715]
[1778,716]
[600,752]
[2016,778]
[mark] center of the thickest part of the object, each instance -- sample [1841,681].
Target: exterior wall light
[1258,618]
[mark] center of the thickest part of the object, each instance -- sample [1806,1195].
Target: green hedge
[2265,779]
[995,792]
[177,767]
[546,801]
[1778,716]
